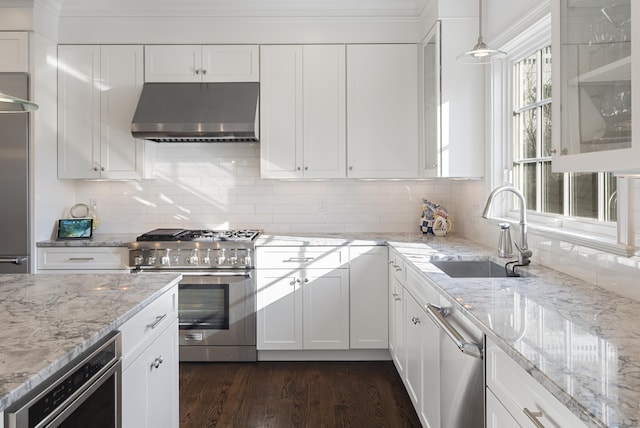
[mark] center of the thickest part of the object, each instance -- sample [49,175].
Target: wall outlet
[322,205]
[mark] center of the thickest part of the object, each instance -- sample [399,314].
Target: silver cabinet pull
[471,349]
[396,296]
[158,320]
[415,320]
[298,260]
[14,260]
[156,363]
[81,259]
[533,417]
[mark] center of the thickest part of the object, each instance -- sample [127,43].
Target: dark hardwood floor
[294,394]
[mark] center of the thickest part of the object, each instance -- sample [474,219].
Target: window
[585,195]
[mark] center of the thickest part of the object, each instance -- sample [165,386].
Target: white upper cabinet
[98,91]
[302,111]
[202,63]
[382,111]
[592,85]
[14,51]
[453,96]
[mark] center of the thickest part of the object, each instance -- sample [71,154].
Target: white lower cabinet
[303,298]
[497,416]
[150,366]
[303,309]
[521,396]
[369,285]
[397,279]
[83,259]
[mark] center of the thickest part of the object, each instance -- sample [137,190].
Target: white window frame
[617,238]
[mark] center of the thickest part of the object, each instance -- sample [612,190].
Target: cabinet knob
[306,168]
[95,168]
[204,71]
[197,71]
[415,320]
[350,168]
[101,168]
[298,168]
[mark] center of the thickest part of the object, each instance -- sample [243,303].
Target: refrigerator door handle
[15,260]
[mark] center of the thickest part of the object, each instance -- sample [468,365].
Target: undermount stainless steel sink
[474,269]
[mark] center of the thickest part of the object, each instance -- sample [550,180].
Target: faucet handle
[524,255]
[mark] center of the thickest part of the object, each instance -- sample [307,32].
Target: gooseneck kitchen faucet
[523,249]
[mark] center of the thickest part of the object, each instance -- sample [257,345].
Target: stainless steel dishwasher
[461,346]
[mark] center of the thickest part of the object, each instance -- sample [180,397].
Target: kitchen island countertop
[48,320]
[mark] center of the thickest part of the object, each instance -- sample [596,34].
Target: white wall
[218,185]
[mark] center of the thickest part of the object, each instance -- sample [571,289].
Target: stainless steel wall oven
[217,295]
[85,393]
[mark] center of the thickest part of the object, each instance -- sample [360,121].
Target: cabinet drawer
[396,266]
[301,257]
[81,258]
[520,393]
[147,324]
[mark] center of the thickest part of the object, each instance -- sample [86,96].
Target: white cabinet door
[279,309]
[497,416]
[198,63]
[173,63]
[369,290]
[150,384]
[98,91]
[382,112]
[14,51]
[324,111]
[281,112]
[121,71]
[593,87]
[415,319]
[303,309]
[302,111]
[453,97]
[397,342]
[325,308]
[78,112]
[230,63]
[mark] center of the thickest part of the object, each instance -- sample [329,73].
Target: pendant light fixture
[9,104]
[481,53]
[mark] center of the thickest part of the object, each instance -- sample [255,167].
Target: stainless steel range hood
[178,112]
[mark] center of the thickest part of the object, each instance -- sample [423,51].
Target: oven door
[217,309]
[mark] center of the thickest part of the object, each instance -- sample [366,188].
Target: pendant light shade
[9,104]
[480,53]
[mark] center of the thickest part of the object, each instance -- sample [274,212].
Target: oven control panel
[191,258]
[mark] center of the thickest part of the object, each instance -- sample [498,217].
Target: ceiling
[242,8]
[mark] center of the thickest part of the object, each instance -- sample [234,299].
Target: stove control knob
[221,257]
[206,260]
[165,260]
[151,260]
[247,259]
[192,259]
[234,258]
[138,260]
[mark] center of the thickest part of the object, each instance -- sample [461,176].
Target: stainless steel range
[217,295]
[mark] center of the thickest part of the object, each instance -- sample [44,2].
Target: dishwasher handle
[469,348]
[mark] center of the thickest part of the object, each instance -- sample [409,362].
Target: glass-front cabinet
[592,110]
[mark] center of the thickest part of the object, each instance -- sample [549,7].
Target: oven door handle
[226,274]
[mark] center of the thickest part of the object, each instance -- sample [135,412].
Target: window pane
[553,195]
[611,198]
[527,76]
[546,72]
[526,131]
[546,130]
[584,195]
[526,177]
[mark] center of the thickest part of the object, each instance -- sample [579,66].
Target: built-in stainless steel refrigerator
[14,179]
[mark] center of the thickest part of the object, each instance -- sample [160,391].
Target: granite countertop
[581,342]
[48,320]
[98,240]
